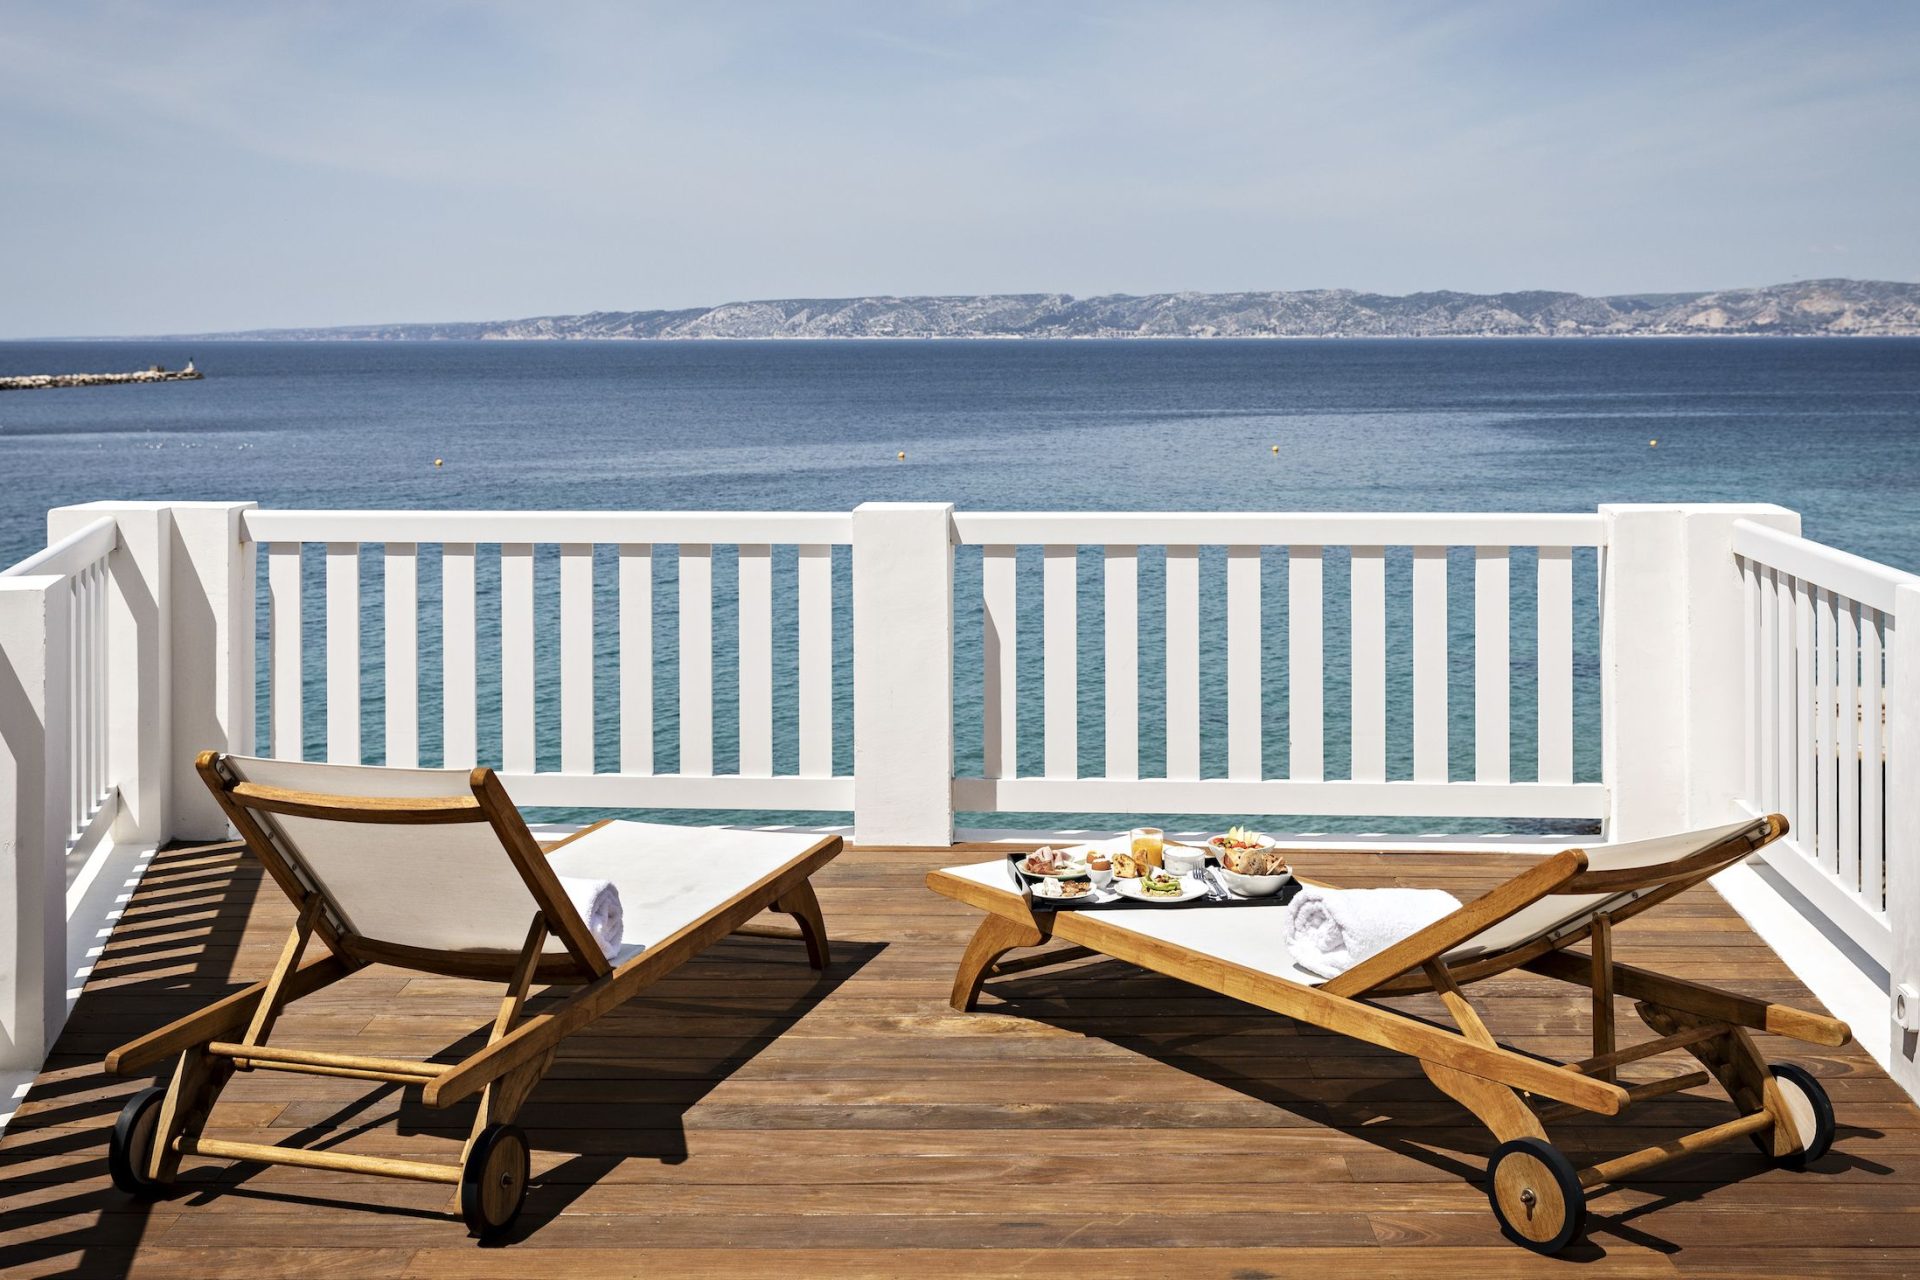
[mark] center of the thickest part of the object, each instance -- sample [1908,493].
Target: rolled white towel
[598,902]
[1331,930]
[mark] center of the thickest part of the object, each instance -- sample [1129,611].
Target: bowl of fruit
[1249,863]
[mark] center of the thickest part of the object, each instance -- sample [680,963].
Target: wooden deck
[748,1118]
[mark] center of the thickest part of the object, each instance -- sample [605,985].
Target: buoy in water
[1276,448]
[902,455]
[438,461]
[1653,444]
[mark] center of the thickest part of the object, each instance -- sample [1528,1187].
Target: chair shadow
[631,1130]
[1385,1115]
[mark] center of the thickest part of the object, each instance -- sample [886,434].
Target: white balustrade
[1315,733]
[559,678]
[1818,625]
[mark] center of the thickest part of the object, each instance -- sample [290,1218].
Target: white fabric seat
[1256,937]
[670,876]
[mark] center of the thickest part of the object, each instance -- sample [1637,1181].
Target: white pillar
[212,670]
[139,661]
[903,673]
[34,794]
[1903,829]
[1671,637]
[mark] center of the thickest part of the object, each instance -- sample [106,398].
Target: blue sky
[185,167]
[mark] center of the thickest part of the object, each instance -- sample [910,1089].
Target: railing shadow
[167,956]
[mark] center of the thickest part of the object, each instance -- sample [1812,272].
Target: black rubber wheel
[1536,1195]
[493,1183]
[1806,1097]
[130,1150]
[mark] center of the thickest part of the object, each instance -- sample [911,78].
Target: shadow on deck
[748,1117]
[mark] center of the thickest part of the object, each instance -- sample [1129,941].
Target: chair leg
[996,936]
[1495,1105]
[196,1086]
[800,903]
[1737,1065]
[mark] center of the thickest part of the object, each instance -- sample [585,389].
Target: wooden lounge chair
[1529,923]
[435,871]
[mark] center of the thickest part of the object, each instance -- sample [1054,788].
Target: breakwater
[37,381]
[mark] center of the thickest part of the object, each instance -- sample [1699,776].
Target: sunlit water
[1830,428]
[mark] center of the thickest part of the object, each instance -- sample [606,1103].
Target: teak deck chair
[435,871]
[1528,923]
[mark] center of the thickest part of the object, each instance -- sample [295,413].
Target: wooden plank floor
[749,1118]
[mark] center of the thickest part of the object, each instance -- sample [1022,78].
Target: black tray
[1025,888]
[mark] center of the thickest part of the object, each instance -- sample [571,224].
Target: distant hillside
[1812,307]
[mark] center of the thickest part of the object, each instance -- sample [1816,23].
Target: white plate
[1190,888]
[1072,871]
[1050,888]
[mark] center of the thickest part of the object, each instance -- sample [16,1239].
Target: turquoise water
[1830,428]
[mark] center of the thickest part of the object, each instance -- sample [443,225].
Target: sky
[189,167]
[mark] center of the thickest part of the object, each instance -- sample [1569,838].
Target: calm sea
[1828,427]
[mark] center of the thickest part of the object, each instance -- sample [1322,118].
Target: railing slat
[815,586]
[999,648]
[1553,655]
[1306,685]
[636,658]
[1750,673]
[1183,663]
[459,678]
[696,658]
[576,657]
[283,629]
[1492,674]
[1873,745]
[1786,755]
[1060,660]
[1243,663]
[518,746]
[1826,727]
[1805,802]
[102,681]
[1367,576]
[1122,583]
[343,652]
[1429,664]
[1847,745]
[402,664]
[756,660]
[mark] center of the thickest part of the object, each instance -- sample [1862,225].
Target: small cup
[1100,872]
[1147,844]
[1181,861]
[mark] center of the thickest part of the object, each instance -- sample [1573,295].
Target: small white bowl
[1254,886]
[1182,860]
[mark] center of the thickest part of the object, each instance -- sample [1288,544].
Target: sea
[1828,427]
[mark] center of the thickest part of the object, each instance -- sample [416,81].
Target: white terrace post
[1671,671]
[213,657]
[903,673]
[34,791]
[1902,790]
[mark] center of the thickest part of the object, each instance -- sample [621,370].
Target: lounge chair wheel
[1812,1113]
[130,1150]
[493,1184]
[1536,1195]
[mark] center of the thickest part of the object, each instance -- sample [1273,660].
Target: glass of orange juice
[1147,844]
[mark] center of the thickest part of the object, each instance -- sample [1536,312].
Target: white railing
[57,796]
[1819,631]
[80,708]
[1328,758]
[1648,667]
[568,607]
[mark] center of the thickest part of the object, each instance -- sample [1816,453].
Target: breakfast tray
[1117,903]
